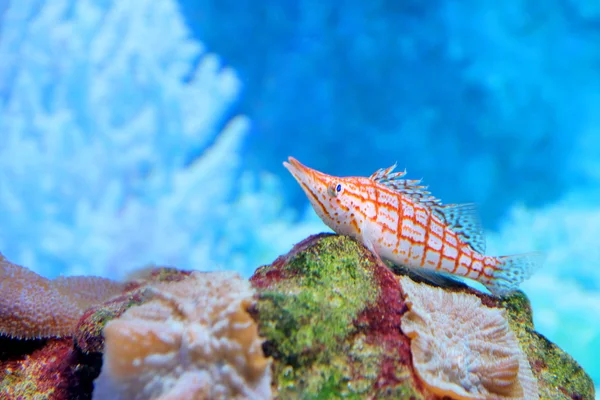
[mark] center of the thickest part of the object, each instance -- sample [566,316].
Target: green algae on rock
[331,317]
[559,375]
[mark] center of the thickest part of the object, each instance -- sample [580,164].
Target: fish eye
[334,188]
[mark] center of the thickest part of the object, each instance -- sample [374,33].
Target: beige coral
[463,349]
[194,340]
[32,306]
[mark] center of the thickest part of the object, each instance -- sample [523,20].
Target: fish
[398,220]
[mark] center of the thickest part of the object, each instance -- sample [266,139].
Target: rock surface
[331,318]
[45,369]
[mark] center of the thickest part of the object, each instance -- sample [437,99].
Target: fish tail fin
[512,271]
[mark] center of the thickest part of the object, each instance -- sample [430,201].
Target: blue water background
[138,132]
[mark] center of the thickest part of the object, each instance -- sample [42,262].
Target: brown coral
[32,306]
[194,340]
[463,349]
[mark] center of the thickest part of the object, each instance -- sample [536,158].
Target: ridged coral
[194,340]
[462,348]
[32,306]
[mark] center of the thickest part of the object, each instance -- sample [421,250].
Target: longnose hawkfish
[400,221]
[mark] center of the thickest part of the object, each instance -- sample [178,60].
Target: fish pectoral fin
[436,278]
[464,220]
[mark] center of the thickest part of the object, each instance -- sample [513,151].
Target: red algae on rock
[45,369]
[381,324]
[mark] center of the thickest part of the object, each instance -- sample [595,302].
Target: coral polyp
[32,306]
[462,348]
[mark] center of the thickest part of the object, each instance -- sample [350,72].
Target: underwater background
[138,132]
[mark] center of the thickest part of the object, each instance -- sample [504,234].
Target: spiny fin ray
[461,218]
[408,187]
[464,221]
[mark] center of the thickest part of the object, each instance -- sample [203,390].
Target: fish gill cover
[121,143]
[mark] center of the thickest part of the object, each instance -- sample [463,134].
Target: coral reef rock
[166,333]
[338,324]
[324,321]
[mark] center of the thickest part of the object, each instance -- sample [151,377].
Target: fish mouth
[309,180]
[295,168]
[304,176]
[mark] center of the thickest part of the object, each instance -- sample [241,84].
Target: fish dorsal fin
[408,187]
[464,221]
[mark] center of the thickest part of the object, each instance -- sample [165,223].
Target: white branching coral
[194,340]
[463,349]
[117,132]
[120,146]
